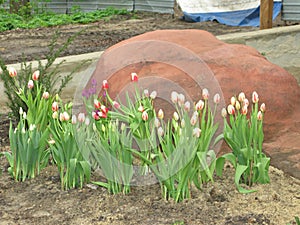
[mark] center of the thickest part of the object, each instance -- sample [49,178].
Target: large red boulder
[195,59]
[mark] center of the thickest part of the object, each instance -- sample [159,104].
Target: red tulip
[54,106]
[134,77]
[95,116]
[36,75]
[141,108]
[97,104]
[230,109]
[12,71]
[199,105]
[244,110]
[255,98]
[105,84]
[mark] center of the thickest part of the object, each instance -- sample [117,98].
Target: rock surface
[195,59]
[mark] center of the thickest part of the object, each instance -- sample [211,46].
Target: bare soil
[40,200]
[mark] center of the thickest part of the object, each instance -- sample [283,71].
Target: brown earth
[40,201]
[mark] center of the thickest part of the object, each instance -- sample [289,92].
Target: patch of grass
[13,21]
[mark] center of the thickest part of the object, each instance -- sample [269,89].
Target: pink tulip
[194,120]
[230,109]
[160,114]
[97,104]
[263,107]
[241,97]
[54,106]
[146,93]
[81,117]
[45,95]
[116,104]
[30,84]
[174,97]
[199,105]
[145,116]
[187,106]
[205,94]
[255,98]
[36,75]
[244,110]
[134,77]
[259,115]
[196,132]
[224,113]
[12,72]
[217,98]
[105,84]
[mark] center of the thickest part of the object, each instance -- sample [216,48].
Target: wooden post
[266,14]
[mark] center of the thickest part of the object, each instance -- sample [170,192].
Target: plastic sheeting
[233,13]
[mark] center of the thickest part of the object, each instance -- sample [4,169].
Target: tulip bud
[145,116]
[246,102]
[36,75]
[116,104]
[12,71]
[97,104]
[182,123]
[104,109]
[45,95]
[194,120]
[160,114]
[217,98]
[123,126]
[187,106]
[141,108]
[103,128]
[174,97]
[54,106]
[30,84]
[146,93]
[24,115]
[175,116]
[51,142]
[263,107]
[65,116]
[87,121]
[230,109]
[134,77]
[224,113]
[241,97]
[255,98]
[232,101]
[196,132]
[74,119]
[205,94]
[199,106]
[237,105]
[153,94]
[102,114]
[244,110]
[55,115]
[259,115]
[20,111]
[156,122]
[95,116]
[160,131]
[32,127]
[181,99]
[81,117]
[105,84]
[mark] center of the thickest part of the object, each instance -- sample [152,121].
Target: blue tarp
[249,17]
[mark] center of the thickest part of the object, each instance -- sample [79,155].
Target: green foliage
[46,19]
[51,82]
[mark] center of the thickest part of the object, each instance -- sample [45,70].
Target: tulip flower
[74,119]
[156,122]
[246,102]
[230,109]
[45,95]
[36,75]
[199,105]
[259,115]
[55,115]
[123,126]
[232,101]
[244,110]
[30,84]
[174,97]
[87,121]
[24,115]
[255,98]
[21,111]
[187,106]
[217,98]
[97,104]
[160,131]
[141,108]
[153,94]
[105,84]
[95,116]
[81,117]
[32,127]
[102,114]
[104,109]
[51,142]
[237,105]
[54,106]
[146,93]
[64,116]
[160,114]
[145,116]
[241,97]
[181,99]
[134,77]
[182,123]
[263,107]
[12,72]
[175,116]
[116,104]
[196,132]
[224,113]
[194,120]
[205,94]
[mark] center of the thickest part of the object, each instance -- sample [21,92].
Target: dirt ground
[40,200]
